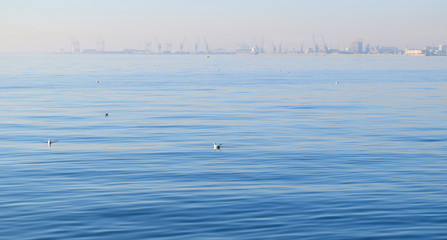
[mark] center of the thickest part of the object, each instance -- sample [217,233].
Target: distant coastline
[356,48]
[249,54]
[230,53]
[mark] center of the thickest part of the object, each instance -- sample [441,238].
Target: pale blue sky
[47,25]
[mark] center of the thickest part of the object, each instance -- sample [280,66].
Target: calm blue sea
[302,157]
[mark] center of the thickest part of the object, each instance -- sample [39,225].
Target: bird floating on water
[217,146]
[50,142]
[106,115]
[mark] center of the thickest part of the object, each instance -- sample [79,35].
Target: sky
[50,25]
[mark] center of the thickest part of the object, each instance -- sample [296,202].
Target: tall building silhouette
[357,47]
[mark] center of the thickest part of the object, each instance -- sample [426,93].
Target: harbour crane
[196,46]
[325,48]
[317,48]
[182,44]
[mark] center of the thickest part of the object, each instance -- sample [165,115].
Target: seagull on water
[217,146]
[50,142]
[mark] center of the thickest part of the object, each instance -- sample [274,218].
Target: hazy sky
[48,25]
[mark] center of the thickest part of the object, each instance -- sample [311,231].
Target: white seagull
[217,146]
[50,142]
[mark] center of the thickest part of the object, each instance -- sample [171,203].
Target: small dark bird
[106,115]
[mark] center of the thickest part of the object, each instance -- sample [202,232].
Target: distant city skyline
[50,25]
[319,48]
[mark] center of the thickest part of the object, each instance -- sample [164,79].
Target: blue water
[302,157]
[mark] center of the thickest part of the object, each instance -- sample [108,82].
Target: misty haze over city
[192,26]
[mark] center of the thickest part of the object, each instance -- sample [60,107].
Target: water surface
[302,157]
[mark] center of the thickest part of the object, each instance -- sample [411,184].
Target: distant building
[442,49]
[75,46]
[431,51]
[100,46]
[135,51]
[357,47]
[367,49]
[387,50]
[414,52]
[89,51]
